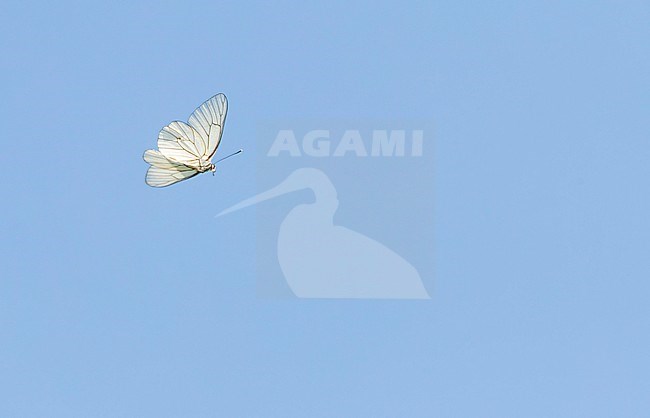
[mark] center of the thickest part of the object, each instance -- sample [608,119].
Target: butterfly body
[210,167]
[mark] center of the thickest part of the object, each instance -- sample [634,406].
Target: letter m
[387,145]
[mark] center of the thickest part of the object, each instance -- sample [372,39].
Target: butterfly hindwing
[164,172]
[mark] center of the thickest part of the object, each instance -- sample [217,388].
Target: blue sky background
[119,300]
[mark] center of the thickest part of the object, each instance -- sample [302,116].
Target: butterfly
[186,149]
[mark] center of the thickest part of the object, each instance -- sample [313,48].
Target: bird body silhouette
[323,260]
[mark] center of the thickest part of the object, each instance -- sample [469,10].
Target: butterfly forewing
[208,120]
[178,141]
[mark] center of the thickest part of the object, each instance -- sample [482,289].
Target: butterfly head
[213,168]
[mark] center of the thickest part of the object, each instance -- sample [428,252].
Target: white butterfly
[186,149]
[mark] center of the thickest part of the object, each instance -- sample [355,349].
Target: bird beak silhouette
[287,186]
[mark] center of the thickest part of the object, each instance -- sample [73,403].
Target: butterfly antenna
[228,156]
